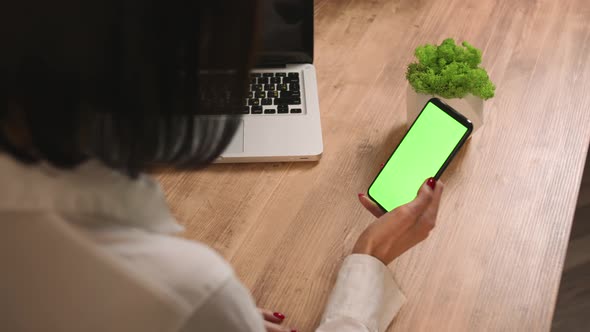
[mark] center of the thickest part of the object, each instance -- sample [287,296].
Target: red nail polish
[431,183]
[361,195]
[279,315]
[381,166]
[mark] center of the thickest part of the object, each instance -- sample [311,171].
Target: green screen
[419,156]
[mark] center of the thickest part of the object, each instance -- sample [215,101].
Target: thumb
[371,206]
[425,194]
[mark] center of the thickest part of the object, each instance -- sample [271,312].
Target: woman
[94,94]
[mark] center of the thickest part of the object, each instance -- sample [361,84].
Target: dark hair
[129,82]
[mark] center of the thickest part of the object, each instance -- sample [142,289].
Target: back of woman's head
[129,82]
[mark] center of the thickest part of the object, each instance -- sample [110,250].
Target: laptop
[281,116]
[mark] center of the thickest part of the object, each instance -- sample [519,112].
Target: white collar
[90,190]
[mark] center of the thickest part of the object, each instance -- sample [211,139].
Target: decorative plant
[450,71]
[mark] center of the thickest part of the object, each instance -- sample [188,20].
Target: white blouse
[92,250]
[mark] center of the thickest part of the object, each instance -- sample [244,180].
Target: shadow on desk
[572,312]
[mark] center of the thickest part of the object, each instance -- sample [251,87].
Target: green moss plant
[450,71]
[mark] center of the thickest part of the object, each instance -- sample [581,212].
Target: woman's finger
[270,316]
[371,206]
[272,327]
[428,219]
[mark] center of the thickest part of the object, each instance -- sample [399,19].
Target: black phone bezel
[455,115]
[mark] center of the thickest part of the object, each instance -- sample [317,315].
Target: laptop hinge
[270,66]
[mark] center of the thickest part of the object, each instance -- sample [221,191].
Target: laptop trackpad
[237,143]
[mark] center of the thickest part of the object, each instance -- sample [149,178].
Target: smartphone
[426,150]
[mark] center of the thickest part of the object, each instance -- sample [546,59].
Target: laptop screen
[287,32]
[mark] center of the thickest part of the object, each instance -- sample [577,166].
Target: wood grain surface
[494,261]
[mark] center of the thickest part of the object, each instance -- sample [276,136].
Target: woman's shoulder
[191,270]
[122,269]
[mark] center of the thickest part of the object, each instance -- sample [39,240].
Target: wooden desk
[494,261]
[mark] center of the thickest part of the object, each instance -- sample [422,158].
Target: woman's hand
[399,230]
[273,321]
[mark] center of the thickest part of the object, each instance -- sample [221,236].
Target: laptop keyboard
[274,93]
